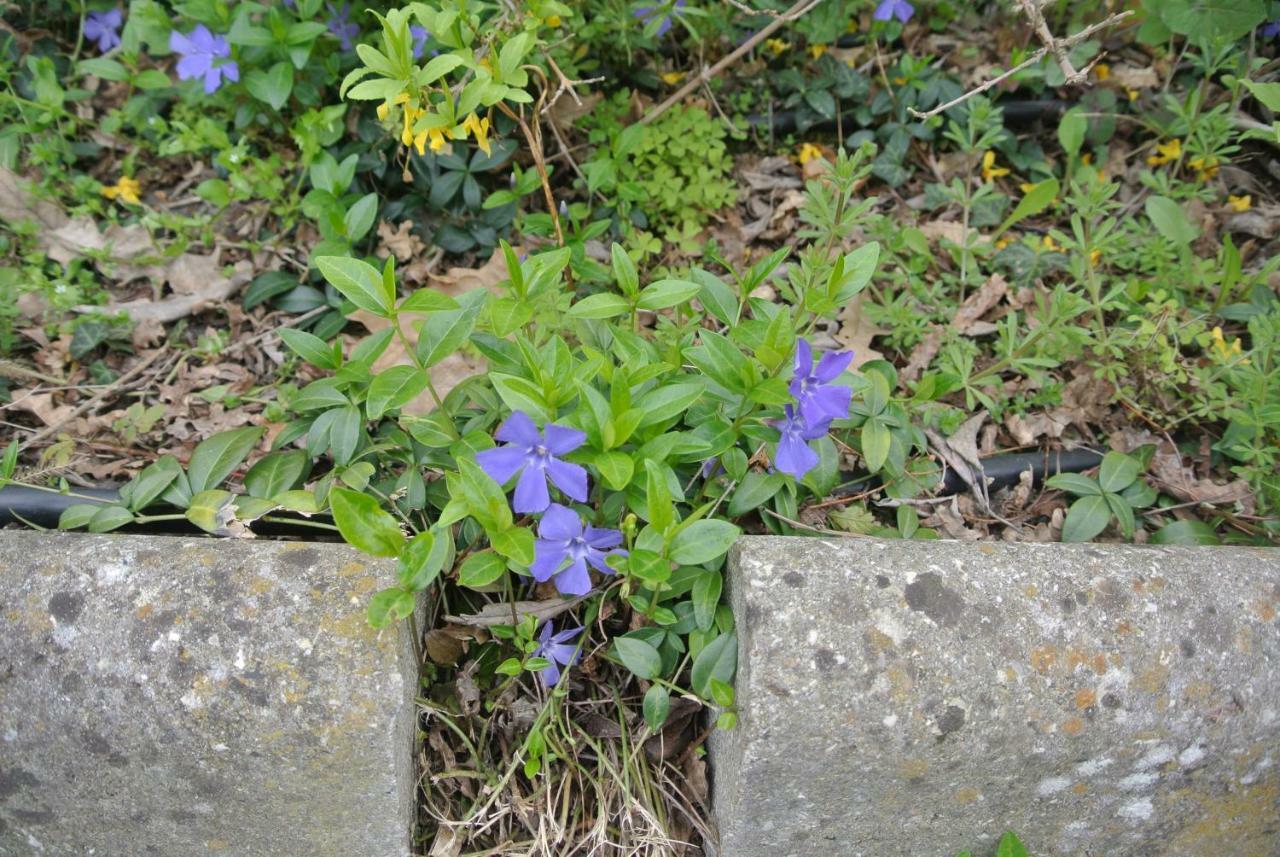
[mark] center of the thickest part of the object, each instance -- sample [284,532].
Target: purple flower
[528,451]
[1270,30]
[341,26]
[649,13]
[817,399]
[563,550]
[104,28]
[794,455]
[555,647]
[202,52]
[420,36]
[900,9]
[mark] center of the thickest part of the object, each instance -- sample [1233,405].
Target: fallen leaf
[180,306]
[980,303]
[922,355]
[1135,77]
[399,240]
[497,613]
[856,332]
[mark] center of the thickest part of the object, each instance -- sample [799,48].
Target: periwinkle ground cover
[1095,278]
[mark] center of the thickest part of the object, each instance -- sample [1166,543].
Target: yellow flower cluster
[777,47]
[1240,203]
[1166,153]
[990,172]
[126,190]
[1226,351]
[808,152]
[434,138]
[1206,167]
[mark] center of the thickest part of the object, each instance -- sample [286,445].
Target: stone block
[176,696]
[919,698]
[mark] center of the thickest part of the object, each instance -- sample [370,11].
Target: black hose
[20,504]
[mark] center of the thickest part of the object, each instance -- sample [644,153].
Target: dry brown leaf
[1181,481]
[1135,77]
[399,240]
[17,204]
[922,355]
[190,274]
[980,303]
[857,331]
[455,281]
[180,306]
[565,110]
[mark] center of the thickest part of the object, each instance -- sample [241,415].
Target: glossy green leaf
[657,707]
[214,459]
[357,281]
[394,388]
[364,524]
[1117,471]
[481,569]
[703,541]
[1087,517]
[719,660]
[638,656]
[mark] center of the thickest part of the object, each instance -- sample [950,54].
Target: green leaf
[1207,21]
[1189,532]
[309,347]
[364,524]
[205,509]
[318,395]
[1167,217]
[876,443]
[602,305]
[657,706]
[703,541]
[428,300]
[659,509]
[344,433]
[77,516]
[1117,472]
[391,604]
[706,597]
[393,389]
[515,544]
[421,561]
[624,271]
[754,490]
[1267,93]
[717,660]
[272,86]
[1087,517]
[108,518]
[1010,846]
[443,333]
[668,401]
[107,69]
[722,692]
[1033,202]
[638,656]
[215,458]
[667,293]
[275,473]
[10,462]
[481,569]
[616,469]
[1074,483]
[153,481]
[1123,513]
[859,267]
[1071,130]
[359,218]
[484,497]
[357,281]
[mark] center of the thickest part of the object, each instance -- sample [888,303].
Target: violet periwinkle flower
[556,648]
[104,28]
[900,9]
[794,455]
[817,399]
[648,13]
[419,36]
[564,549]
[204,55]
[1270,30]
[341,25]
[534,457]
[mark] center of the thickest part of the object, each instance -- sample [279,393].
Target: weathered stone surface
[918,698]
[166,696]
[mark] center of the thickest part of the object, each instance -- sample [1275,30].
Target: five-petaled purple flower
[794,455]
[556,648]
[534,457]
[817,399]
[204,55]
[419,36]
[104,28]
[341,25]
[900,9]
[1270,30]
[648,13]
[564,549]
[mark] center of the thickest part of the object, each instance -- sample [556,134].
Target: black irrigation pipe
[19,504]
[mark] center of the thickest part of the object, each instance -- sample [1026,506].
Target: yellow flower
[1240,203]
[433,136]
[990,172]
[673,77]
[809,152]
[1002,243]
[1102,70]
[1086,158]
[899,81]
[1165,153]
[479,127]
[1206,167]
[383,110]
[126,190]
[816,51]
[1049,243]
[552,21]
[1132,93]
[1095,256]
[1223,350]
[777,47]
